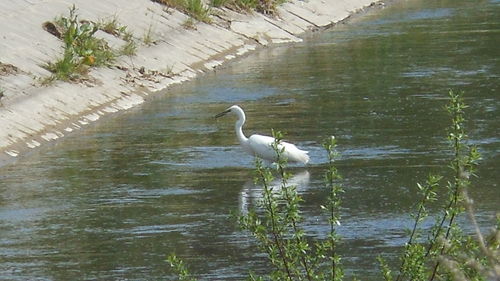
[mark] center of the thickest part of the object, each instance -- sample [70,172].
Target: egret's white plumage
[261,146]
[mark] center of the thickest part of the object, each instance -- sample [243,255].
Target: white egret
[261,146]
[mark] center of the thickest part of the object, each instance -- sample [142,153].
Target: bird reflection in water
[251,193]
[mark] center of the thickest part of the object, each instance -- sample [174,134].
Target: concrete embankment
[32,114]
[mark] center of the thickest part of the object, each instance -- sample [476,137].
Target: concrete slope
[32,114]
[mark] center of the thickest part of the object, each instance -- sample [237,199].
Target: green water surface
[110,202]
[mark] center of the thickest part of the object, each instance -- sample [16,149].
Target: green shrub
[446,254]
[277,224]
[434,258]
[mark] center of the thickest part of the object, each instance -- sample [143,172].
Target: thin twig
[275,233]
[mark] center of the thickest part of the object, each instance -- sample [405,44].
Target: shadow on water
[112,201]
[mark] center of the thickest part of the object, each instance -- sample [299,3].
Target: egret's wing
[293,154]
[262,147]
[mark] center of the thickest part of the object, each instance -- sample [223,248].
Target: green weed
[246,5]
[69,67]
[194,8]
[434,258]
[129,49]
[113,27]
[177,4]
[148,36]
[179,268]
[197,10]
[261,6]
[277,223]
[83,50]
[219,3]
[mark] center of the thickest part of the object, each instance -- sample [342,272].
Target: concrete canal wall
[32,114]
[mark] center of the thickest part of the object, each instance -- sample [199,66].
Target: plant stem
[452,204]
[420,213]
[286,192]
[456,135]
[333,201]
[275,233]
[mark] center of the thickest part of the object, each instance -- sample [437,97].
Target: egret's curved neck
[238,127]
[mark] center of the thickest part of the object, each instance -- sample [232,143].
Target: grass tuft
[219,3]
[194,8]
[111,26]
[267,7]
[129,49]
[148,36]
[197,10]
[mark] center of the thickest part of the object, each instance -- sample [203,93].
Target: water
[112,201]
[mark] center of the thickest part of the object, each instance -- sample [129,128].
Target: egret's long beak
[222,113]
